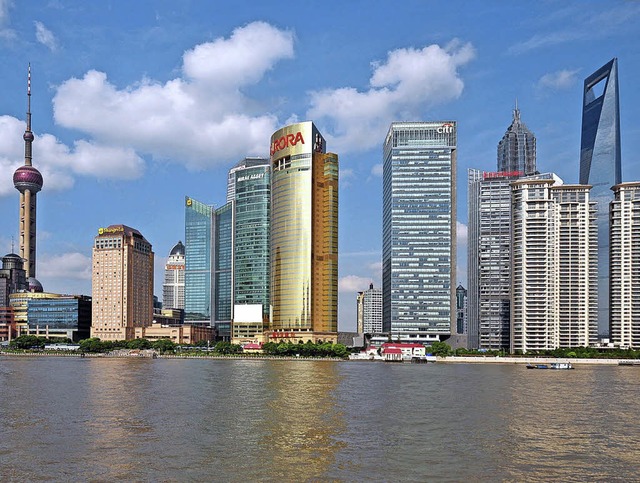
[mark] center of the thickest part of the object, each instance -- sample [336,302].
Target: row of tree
[308,349]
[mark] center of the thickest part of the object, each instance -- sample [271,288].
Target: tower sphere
[28,136]
[27,178]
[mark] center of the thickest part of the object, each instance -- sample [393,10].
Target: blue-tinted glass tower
[419,231]
[223,269]
[199,220]
[600,163]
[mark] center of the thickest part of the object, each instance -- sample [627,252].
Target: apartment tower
[173,287]
[369,311]
[122,283]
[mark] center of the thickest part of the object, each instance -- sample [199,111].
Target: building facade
[13,277]
[249,188]
[517,148]
[173,286]
[419,231]
[66,316]
[122,283]
[461,310]
[199,221]
[223,248]
[624,327]
[601,164]
[369,311]
[28,181]
[304,235]
[554,233]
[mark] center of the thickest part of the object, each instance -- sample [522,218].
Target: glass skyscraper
[419,231]
[304,235]
[517,148]
[600,163]
[223,269]
[199,219]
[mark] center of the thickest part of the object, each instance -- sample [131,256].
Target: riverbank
[526,360]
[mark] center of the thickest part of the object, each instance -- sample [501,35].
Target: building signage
[251,177]
[115,229]
[446,128]
[501,174]
[283,335]
[285,141]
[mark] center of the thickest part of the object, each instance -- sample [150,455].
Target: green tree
[28,342]
[441,349]
[138,344]
[93,344]
[163,346]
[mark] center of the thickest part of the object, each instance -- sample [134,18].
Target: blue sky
[137,104]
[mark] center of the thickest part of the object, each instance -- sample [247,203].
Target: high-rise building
[249,188]
[600,163]
[223,245]
[553,300]
[419,231]
[173,287]
[369,311]
[28,181]
[489,258]
[304,235]
[199,221]
[122,283]
[624,328]
[517,148]
[461,310]
[12,277]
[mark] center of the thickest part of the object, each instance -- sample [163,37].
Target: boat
[553,365]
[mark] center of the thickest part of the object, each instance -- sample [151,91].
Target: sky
[136,105]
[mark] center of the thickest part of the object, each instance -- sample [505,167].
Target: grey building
[419,231]
[600,163]
[517,148]
[173,286]
[369,310]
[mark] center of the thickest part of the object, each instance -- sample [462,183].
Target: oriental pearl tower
[28,181]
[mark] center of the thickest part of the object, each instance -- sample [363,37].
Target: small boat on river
[553,365]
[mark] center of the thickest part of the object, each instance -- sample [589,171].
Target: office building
[63,316]
[461,310]
[249,189]
[223,244]
[489,258]
[122,283]
[28,181]
[369,311]
[199,220]
[517,148]
[600,163]
[625,266]
[554,233]
[304,236]
[173,286]
[419,231]
[13,277]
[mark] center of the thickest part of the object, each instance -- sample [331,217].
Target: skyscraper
[370,311]
[461,310]
[199,220]
[553,300]
[419,231]
[625,266]
[173,287]
[223,247]
[28,181]
[121,284]
[517,148]
[304,235]
[600,163]
[249,188]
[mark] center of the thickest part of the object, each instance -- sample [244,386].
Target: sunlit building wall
[304,235]
[370,311]
[419,231]
[173,287]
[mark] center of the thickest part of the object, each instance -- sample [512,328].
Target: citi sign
[446,128]
[286,141]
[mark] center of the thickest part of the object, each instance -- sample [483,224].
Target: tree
[28,342]
[138,344]
[93,344]
[163,346]
[441,349]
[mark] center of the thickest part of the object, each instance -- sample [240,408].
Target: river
[72,419]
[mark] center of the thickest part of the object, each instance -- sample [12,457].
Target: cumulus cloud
[409,81]
[562,79]
[462,235]
[45,36]
[353,284]
[377,170]
[5,32]
[194,118]
[57,162]
[67,265]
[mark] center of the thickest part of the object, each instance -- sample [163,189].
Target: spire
[516,112]
[28,135]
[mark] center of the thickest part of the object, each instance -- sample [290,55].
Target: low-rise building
[179,334]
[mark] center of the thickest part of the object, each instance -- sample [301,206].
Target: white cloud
[353,284]
[562,79]
[195,119]
[5,32]
[462,235]
[68,265]
[377,170]
[409,81]
[57,162]
[45,36]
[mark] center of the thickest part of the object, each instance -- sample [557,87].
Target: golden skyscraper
[304,236]
[122,283]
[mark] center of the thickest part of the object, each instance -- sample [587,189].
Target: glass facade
[223,273]
[517,148]
[419,230]
[304,231]
[600,163]
[60,314]
[199,220]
